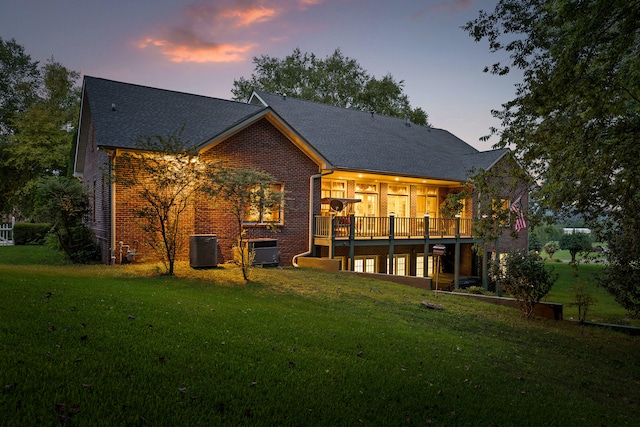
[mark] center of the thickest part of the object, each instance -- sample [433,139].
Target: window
[364,264]
[500,210]
[398,200]
[400,265]
[262,209]
[427,202]
[420,265]
[368,194]
[332,188]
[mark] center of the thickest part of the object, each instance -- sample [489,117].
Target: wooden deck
[391,227]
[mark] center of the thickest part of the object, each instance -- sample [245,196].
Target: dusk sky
[202,46]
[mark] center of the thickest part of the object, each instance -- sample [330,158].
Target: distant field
[605,310]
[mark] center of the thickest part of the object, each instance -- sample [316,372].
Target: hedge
[26,233]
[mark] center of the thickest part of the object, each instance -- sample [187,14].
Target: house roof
[362,141]
[122,112]
[345,139]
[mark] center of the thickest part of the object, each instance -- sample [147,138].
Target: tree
[244,192]
[19,80]
[622,272]
[546,232]
[574,243]
[527,279]
[64,203]
[336,80]
[166,177]
[38,114]
[575,119]
[551,247]
[42,138]
[535,244]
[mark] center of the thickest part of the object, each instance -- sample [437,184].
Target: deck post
[332,236]
[392,224]
[352,238]
[425,267]
[497,250]
[456,267]
[485,282]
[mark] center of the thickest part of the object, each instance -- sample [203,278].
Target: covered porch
[349,235]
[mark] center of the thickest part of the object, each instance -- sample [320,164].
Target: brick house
[362,188]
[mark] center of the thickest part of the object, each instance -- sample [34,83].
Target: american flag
[521,222]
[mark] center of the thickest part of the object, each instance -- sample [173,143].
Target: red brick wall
[512,190]
[263,147]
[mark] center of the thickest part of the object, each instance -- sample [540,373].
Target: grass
[99,345]
[605,309]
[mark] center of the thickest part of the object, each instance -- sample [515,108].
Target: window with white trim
[262,212]
[400,265]
[332,188]
[365,264]
[398,200]
[420,265]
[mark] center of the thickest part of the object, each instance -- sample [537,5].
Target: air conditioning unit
[203,250]
[266,251]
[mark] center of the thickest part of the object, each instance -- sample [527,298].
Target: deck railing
[381,227]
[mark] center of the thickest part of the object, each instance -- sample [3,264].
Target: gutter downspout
[113,206]
[294,260]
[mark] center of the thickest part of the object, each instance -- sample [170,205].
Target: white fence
[6,233]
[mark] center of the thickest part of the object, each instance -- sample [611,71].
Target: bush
[64,202]
[551,248]
[81,247]
[477,290]
[527,279]
[25,233]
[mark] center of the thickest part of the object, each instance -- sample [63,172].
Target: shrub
[26,233]
[551,248]
[527,279]
[63,201]
[583,300]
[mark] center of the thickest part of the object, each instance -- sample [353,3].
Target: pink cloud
[212,52]
[212,32]
[250,16]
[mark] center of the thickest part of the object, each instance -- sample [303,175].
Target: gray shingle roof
[356,140]
[145,111]
[348,139]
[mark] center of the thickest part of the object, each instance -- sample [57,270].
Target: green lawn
[605,309]
[99,345]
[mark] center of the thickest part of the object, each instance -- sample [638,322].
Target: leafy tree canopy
[336,80]
[574,243]
[575,119]
[38,114]
[19,80]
